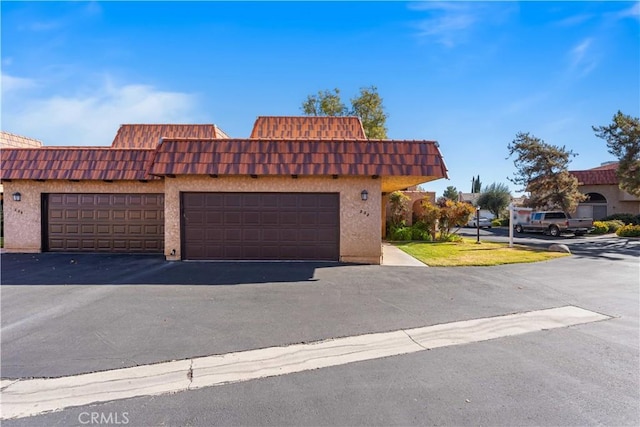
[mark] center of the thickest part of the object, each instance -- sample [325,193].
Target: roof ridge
[311,117]
[167,124]
[314,139]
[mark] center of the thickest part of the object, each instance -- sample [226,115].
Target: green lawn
[469,253]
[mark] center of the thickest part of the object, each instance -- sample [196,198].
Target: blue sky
[469,75]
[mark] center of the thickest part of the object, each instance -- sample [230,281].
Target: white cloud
[93,118]
[574,20]
[582,59]
[446,22]
[12,84]
[631,12]
[78,12]
[449,23]
[526,103]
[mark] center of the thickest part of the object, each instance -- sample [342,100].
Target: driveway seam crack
[416,342]
[190,374]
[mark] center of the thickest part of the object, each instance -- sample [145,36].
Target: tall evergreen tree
[541,170]
[623,141]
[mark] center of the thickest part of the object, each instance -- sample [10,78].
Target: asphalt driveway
[66,314]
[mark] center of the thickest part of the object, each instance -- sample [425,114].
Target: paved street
[66,314]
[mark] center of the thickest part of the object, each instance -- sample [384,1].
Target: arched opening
[595,198]
[416,211]
[594,207]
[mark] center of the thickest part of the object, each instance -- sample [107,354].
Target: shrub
[399,207]
[629,231]
[400,233]
[496,222]
[627,218]
[420,231]
[449,238]
[600,227]
[419,234]
[614,225]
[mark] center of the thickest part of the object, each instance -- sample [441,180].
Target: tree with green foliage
[451,193]
[495,198]
[367,106]
[399,203]
[623,141]
[325,103]
[447,214]
[541,170]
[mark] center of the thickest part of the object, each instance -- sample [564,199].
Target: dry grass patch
[469,253]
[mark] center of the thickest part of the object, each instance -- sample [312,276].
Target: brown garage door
[125,223]
[260,226]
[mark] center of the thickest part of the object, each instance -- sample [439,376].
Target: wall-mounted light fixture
[17,197]
[364,195]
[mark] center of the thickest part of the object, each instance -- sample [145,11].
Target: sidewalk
[392,256]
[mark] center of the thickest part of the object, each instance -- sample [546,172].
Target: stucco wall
[359,221]
[23,219]
[618,201]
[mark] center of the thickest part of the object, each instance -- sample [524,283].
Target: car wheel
[554,231]
[519,229]
[489,227]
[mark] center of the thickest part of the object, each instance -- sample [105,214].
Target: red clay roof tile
[81,163]
[308,127]
[298,157]
[148,135]
[10,140]
[601,175]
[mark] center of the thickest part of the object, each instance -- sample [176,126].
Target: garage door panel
[213,217]
[86,228]
[56,214]
[252,252]
[153,230]
[251,235]
[269,218]
[232,218]
[56,229]
[189,201]
[270,200]
[87,214]
[258,226]
[308,202]
[70,199]
[270,235]
[233,200]
[135,215]
[251,218]
[308,235]
[195,218]
[102,200]
[327,219]
[252,201]
[105,223]
[289,219]
[119,200]
[233,251]
[233,235]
